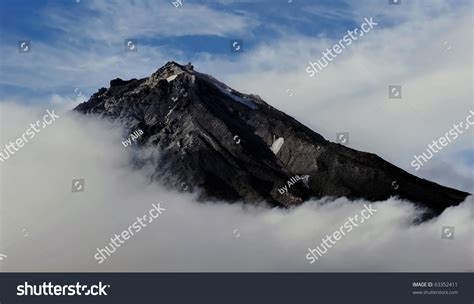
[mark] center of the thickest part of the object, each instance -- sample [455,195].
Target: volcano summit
[232,146]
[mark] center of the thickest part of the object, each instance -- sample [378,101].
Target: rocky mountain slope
[232,146]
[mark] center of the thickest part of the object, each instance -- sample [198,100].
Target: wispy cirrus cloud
[112,20]
[82,45]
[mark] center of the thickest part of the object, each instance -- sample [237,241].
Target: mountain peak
[187,67]
[174,67]
[232,146]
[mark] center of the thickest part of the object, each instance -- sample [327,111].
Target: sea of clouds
[46,227]
[424,46]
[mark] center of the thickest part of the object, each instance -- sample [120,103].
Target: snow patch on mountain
[172,77]
[229,92]
[277,144]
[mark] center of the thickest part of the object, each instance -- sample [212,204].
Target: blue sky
[196,29]
[95,30]
[29,19]
[78,47]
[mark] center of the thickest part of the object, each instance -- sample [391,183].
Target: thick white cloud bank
[46,227]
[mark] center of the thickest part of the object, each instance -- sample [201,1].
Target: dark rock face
[232,146]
